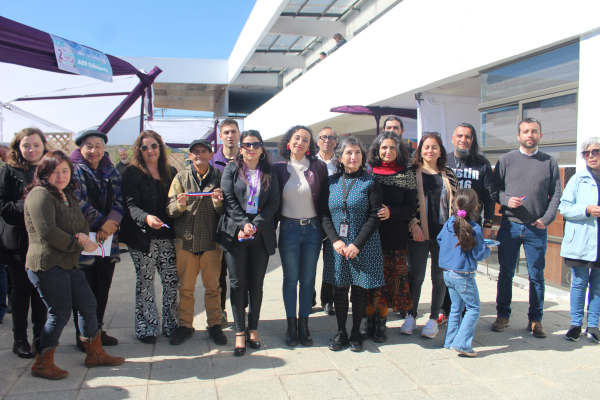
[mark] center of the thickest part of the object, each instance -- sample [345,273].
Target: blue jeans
[299,249]
[463,292]
[3,306]
[61,290]
[511,236]
[582,277]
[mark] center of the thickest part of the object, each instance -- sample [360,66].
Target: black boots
[291,336]
[369,327]
[380,335]
[22,349]
[304,333]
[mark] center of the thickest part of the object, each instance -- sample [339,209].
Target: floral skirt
[394,293]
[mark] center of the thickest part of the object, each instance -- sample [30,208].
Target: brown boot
[43,366]
[96,356]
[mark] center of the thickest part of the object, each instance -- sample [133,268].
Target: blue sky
[176,28]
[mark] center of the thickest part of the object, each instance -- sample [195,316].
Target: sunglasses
[145,147]
[326,138]
[594,152]
[256,145]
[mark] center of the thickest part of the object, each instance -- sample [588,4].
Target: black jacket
[13,234]
[235,217]
[141,199]
[479,176]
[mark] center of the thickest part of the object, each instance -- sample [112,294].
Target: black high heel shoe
[253,344]
[240,351]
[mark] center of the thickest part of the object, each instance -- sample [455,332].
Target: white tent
[182,131]
[72,114]
[13,119]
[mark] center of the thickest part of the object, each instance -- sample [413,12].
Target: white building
[483,62]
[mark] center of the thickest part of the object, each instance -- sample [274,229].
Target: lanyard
[253,183]
[345,194]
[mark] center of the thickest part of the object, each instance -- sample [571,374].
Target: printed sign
[81,60]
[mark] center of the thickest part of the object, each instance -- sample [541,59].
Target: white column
[589,91]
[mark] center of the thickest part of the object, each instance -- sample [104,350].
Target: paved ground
[511,365]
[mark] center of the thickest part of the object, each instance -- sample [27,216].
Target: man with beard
[395,124]
[124,156]
[472,171]
[529,190]
[230,136]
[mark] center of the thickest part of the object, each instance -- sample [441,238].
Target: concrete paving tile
[320,340]
[376,380]
[526,387]
[581,383]
[540,361]
[474,391]
[250,366]
[8,377]
[369,357]
[319,385]
[413,395]
[190,348]
[408,353]
[192,390]
[30,384]
[9,360]
[113,393]
[122,321]
[58,395]
[494,366]
[437,373]
[6,339]
[181,370]
[270,388]
[299,360]
[128,374]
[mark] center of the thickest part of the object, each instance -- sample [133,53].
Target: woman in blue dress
[349,207]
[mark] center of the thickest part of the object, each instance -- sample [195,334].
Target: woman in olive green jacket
[58,233]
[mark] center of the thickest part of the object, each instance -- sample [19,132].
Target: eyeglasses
[325,138]
[594,152]
[145,147]
[256,145]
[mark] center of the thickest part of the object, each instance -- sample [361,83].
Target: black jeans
[247,264]
[99,276]
[418,253]
[61,290]
[23,295]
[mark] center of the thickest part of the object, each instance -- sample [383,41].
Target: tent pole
[377,118]
[215,131]
[142,112]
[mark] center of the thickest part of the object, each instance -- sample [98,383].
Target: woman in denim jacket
[580,206]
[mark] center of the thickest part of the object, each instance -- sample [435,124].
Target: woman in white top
[300,178]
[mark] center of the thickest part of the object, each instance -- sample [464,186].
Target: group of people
[376,215]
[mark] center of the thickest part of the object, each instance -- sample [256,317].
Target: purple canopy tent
[29,47]
[376,111]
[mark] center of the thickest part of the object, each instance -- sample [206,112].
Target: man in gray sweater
[529,190]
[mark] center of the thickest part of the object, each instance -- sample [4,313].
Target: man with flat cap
[101,202]
[196,219]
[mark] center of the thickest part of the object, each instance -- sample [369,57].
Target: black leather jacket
[13,234]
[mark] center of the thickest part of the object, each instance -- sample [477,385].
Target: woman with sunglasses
[580,206]
[148,232]
[58,233]
[301,178]
[247,232]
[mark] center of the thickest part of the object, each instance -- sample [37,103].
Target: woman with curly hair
[148,232]
[301,178]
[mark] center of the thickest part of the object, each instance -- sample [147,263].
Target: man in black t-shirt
[472,171]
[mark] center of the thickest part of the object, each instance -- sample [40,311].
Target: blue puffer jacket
[581,231]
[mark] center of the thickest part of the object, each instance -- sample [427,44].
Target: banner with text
[81,60]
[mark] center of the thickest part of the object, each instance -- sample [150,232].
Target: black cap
[89,133]
[203,142]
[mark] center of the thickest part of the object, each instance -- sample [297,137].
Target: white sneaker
[408,326]
[431,329]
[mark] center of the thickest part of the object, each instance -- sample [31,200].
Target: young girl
[461,242]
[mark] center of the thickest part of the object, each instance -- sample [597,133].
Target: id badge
[252,207]
[343,230]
